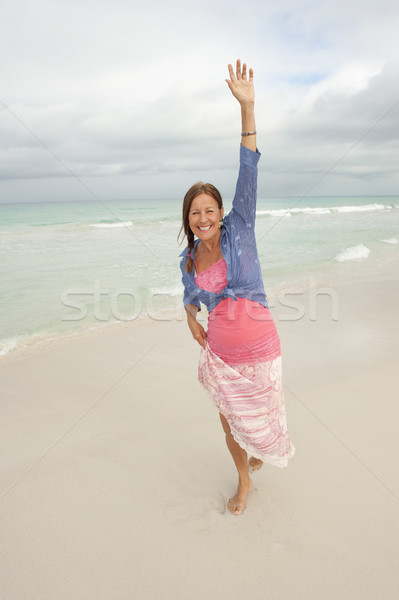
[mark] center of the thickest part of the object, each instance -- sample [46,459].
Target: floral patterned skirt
[251,398]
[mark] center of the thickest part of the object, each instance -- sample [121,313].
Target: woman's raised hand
[241,87]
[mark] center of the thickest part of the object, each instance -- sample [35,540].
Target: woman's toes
[254,464]
[239,509]
[235,508]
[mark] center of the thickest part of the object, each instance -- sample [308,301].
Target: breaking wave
[353,253]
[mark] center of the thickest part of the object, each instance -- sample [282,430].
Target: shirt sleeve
[244,202]
[191,299]
[188,297]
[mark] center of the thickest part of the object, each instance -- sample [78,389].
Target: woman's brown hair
[194,191]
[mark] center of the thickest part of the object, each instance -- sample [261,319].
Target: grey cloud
[135,98]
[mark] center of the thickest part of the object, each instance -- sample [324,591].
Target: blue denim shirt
[237,243]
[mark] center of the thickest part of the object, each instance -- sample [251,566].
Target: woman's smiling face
[204,217]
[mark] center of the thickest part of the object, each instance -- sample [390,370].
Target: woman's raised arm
[243,89]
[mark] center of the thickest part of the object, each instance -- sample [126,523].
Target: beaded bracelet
[245,133]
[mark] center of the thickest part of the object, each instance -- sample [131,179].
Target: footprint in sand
[219,502]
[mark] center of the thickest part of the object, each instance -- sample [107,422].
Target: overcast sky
[131,97]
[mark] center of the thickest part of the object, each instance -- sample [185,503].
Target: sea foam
[364,208]
[176,290]
[8,346]
[353,253]
[391,240]
[120,224]
[321,210]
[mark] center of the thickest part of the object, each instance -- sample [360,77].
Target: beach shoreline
[114,463]
[70,268]
[288,300]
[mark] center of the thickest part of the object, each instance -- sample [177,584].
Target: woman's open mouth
[204,228]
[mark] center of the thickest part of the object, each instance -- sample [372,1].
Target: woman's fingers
[200,337]
[231,73]
[238,69]
[200,340]
[241,73]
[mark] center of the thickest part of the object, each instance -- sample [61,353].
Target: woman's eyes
[210,210]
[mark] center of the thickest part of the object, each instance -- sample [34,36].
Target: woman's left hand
[241,87]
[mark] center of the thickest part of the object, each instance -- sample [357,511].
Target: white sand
[115,473]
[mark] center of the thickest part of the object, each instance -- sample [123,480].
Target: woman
[240,361]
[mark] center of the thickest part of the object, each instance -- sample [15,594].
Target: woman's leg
[236,504]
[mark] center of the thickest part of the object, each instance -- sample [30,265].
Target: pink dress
[241,368]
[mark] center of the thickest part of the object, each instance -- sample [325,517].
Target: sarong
[251,398]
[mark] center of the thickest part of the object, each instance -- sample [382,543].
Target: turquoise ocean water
[68,267]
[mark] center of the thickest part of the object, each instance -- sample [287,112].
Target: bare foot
[236,503]
[254,464]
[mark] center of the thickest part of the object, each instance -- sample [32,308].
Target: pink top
[239,332]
